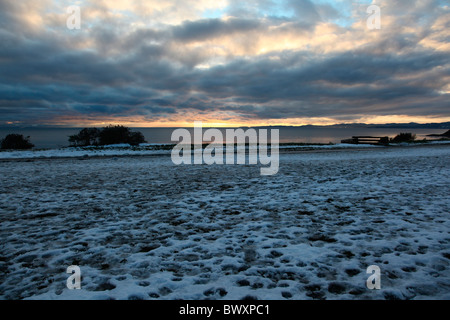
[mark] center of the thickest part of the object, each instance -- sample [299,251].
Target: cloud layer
[224,62]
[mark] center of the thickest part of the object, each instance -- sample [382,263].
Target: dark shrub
[105,136]
[136,138]
[120,134]
[86,137]
[114,134]
[404,137]
[16,142]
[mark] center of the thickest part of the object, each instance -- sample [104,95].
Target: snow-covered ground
[143,228]
[74,152]
[159,149]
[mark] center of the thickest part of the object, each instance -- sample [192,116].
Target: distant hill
[411,125]
[445,134]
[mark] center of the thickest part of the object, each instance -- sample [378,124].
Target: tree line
[85,137]
[105,136]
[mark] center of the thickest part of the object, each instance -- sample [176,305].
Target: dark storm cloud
[159,110]
[98,109]
[212,28]
[280,80]
[306,10]
[346,83]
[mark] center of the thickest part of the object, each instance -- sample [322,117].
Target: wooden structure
[368,140]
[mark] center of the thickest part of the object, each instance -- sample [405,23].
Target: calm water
[58,137]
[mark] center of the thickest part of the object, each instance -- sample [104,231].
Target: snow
[144,228]
[111,150]
[159,149]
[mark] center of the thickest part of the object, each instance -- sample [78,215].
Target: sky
[223,62]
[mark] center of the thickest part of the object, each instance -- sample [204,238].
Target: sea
[53,138]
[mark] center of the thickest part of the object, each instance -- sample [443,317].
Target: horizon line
[31,126]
